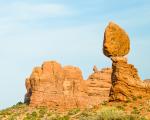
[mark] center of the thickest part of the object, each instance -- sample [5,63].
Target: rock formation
[147,84]
[99,83]
[126,82]
[64,88]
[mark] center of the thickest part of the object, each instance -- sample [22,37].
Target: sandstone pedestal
[126,82]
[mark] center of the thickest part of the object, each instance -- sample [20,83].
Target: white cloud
[26,11]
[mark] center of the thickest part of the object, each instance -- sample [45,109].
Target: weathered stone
[63,88]
[116,41]
[126,82]
[99,83]
[95,69]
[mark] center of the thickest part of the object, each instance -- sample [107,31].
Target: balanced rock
[116,41]
[126,82]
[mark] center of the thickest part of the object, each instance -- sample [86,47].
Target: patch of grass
[74,111]
[120,107]
[30,117]
[42,112]
[87,115]
[109,113]
[64,118]
[12,117]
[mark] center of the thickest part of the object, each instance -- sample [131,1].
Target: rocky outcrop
[99,83]
[147,84]
[64,88]
[126,82]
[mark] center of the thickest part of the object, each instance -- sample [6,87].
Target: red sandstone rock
[126,82]
[116,41]
[64,88]
[99,83]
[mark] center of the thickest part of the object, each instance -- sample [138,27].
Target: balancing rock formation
[126,82]
[64,88]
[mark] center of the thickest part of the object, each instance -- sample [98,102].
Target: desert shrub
[104,103]
[120,107]
[49,114]
[110,113]
[74,111]
[32,116]
[5,112]
[87,115]
[20,103]
[135,111]
[64,118]
[134,98]
[58,117]
[139,97]
[12,117]
[128,100]
[42,112]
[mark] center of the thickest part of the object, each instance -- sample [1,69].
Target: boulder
[116,41]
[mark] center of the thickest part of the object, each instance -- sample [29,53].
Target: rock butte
[63,88]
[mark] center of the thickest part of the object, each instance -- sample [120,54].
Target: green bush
[134,98]
[42,112]
[74,111]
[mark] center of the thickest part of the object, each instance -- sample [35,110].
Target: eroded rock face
[99,83]
[64,88]
[126,82]
[147,84]
[116,41]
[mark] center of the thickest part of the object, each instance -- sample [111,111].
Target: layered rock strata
[64,88]
[126,82]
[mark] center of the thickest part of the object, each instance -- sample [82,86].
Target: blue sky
[70,32]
